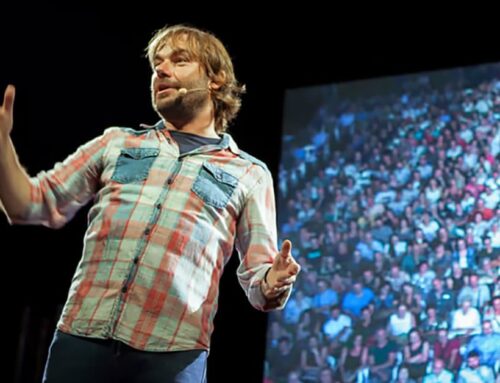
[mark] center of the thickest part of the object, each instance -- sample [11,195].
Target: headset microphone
[183,91]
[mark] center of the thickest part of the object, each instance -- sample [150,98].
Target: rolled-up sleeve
[256,243]
[57,194]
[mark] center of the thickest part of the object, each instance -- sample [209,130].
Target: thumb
[8,99]
[286,248]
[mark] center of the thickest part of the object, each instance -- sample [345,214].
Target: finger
[271,292]
[289,267]
[286,281]
[275,291]
[286,248]
[294,269]
[285,274]
[8,98]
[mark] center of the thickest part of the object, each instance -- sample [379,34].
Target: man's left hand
[283,272]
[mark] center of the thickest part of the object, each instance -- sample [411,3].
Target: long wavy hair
[209,51]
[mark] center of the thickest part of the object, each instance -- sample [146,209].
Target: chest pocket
[133,164]
[214,185]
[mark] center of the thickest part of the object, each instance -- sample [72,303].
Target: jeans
[76,359]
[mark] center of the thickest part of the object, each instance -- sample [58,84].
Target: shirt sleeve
[57,194]
[256,243]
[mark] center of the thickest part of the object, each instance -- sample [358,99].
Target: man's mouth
[165,88]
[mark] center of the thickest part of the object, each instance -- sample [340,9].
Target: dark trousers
[75,359]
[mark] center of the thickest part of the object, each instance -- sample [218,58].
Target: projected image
[389,190]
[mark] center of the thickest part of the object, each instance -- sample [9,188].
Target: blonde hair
[209,51]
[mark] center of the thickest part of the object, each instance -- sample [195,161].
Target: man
[294,377]
[439,374]
[487,344]
[441,298]
[466,320]
[283,360]
[381,357]
[338,327]
[479,293]
[447,349]
[474,372]
[357,298]
[171,201]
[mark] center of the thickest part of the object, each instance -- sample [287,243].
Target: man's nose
[163,69]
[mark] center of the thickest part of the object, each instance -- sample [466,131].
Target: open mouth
[164,88]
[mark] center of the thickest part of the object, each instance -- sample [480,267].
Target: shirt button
[169,181]
[124,289]
[136,260]
[158,206]
[147,231]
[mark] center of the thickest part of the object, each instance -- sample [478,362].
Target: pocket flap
[220,175]
[140,153]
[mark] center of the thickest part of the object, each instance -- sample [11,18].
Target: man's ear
[213,85]
[217,81]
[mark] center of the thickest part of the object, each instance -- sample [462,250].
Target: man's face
[438,366]
[437,284]
[322,286]
[401,311]
[466,305]
[487,328]
[423,268]
[284,346]
[368,275]
[474,280]
[473,362]
[443,335]
[394,271]
[326,376]
[496,304]
[175,67]
[335,313]
[381,335]
[366,314]
[357,287]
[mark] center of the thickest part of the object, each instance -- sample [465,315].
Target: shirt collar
[227,141]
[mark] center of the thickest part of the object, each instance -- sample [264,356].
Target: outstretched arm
[282,273]
[14,182]
[50,198]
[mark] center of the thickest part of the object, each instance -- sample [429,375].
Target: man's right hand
[7,111]
[15,187]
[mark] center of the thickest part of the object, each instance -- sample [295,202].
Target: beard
[180,107]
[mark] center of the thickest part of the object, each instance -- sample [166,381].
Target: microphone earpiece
[183,91]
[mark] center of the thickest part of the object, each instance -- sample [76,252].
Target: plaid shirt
[161,229]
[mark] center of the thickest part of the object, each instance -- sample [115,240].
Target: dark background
[78,72]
